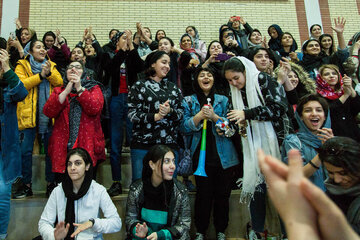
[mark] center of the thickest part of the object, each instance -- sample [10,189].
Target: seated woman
[158,206]
[143,41]
[154,109]
[221,157]
[343,101]
[199,45]
[40,77]
[75,204]
[314,128]
[76,108]
[340,157]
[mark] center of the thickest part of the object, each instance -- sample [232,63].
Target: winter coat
[27,109]
[90,135]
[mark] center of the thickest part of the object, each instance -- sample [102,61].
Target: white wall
[10,11]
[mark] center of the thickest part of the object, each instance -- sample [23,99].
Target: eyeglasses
[74,66]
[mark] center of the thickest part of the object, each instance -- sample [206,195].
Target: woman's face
[236,24]
[89,50]
[165,45]
[76,168]
[186,42]
[293,77]
[77,55]
[287,40]
[316,31]
[146,32]
[236,79]
[25,36]
[273,33]
[190,31]
[38,51]
[113,33]
[326,42]
[340,176]
[74,68]
[215,48]
[313,48]
[160,35]
[255,38]
[206,81]
[162,66]
[313,116]
[168,168]
[49,41]
[330,76]
[262,60]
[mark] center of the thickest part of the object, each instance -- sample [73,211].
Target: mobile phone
[12,35]
[222,57]
[236,18]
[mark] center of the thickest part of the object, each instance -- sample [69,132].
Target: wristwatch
[92,220]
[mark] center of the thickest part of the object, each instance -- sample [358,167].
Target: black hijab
[67,186]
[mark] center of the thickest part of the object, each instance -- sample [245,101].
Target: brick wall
[72,16]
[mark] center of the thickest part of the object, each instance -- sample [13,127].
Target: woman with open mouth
[343,101]
[158,206]
[40,77]
[221,156]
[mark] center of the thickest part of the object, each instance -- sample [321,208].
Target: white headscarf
[260,134]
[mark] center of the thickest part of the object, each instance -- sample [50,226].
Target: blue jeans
[27,138]
[137,156]
[5,194]
[258,209]
[118,117]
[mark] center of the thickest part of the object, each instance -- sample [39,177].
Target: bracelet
[313,165]
[61,42]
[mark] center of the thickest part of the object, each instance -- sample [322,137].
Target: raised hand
[339,25]
[61,230]
[46,67]
[4,60]
[325,134]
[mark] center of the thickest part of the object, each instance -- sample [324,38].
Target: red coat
[90,135]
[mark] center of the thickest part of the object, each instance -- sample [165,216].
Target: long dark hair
[150,59]
[155,154]
[332,47]
[233,64]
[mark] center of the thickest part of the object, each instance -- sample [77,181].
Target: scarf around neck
[260,134]
[71,197]
[324,89]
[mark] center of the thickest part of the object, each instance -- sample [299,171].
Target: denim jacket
[10,146]
[224,145]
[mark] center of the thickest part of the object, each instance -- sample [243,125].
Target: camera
[222,57]
[12,36]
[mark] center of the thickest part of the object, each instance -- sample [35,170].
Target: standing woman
[76,108]
[220,155]
[199,45]
[343,101]
[75,204]
[158,206]
[40,77]
[154,109]
[258,109]
[275,32]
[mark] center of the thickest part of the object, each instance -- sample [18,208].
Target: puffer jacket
[179,217]
[27,109]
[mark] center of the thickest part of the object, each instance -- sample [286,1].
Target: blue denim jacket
[224,145]
[10,146]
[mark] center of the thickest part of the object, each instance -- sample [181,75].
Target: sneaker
[50,188]
[23,191]
[199,236]
[189,185]
[115,189]
[220,236]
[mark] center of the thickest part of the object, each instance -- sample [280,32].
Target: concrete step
[25,214]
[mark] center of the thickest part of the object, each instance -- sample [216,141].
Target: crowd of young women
[266,94]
